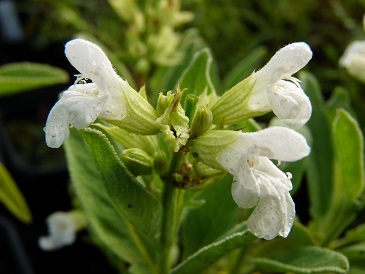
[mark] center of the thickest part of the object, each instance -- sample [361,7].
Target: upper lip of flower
[287,61]
[81,104]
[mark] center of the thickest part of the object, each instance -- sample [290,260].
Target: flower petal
[274,214]
[287,61]
[262,165]
[78,106]
[92,62]
[353,59]
[57,126]
[83,108]
[245,190]
[62,231]
[289,103]
[278,143]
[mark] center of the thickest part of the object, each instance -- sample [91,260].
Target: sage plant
[136,167]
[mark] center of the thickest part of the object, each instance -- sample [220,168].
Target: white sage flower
[81,104]
[353,60]
[62,228]
[275,89]
[257,181]
[270,89]
[108,97]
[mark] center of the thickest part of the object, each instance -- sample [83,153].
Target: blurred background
[37,30]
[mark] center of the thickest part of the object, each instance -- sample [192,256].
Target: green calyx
[137,161]
[141,116]
[207,147]
[232,107]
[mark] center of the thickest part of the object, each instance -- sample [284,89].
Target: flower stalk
[172,207]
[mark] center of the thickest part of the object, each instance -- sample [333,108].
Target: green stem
[171,202]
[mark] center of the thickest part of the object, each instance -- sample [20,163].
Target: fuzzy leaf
[349,175]
[129,197]
[114,233]
[349,148]
[340,98]
[320,170]
[209,254]
[12,198]
[19,77]
[310,259]
[356,257]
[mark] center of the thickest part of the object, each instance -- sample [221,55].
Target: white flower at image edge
[258,182]
[81,104]
[276,89]
[62,230]
[353,60]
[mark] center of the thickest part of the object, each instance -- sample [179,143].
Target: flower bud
[202,121]
[137,161]
[190,104]
[163,102]
[173,123]
[160,162]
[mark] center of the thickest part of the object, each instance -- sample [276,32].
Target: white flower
[62,228]
[256,180]
[270,89]
[81,104]
[275,89]
[353,60]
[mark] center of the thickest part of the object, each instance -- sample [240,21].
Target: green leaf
[209,254]
[19,77]
[356,257]
[129,197]
[310,259]
[349,175]
[356,234]
[340,98]
[116,235]
[320,170]
[349,158]
[206,223]
[244,68]
[12,198]
[196,78]
[300,236]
